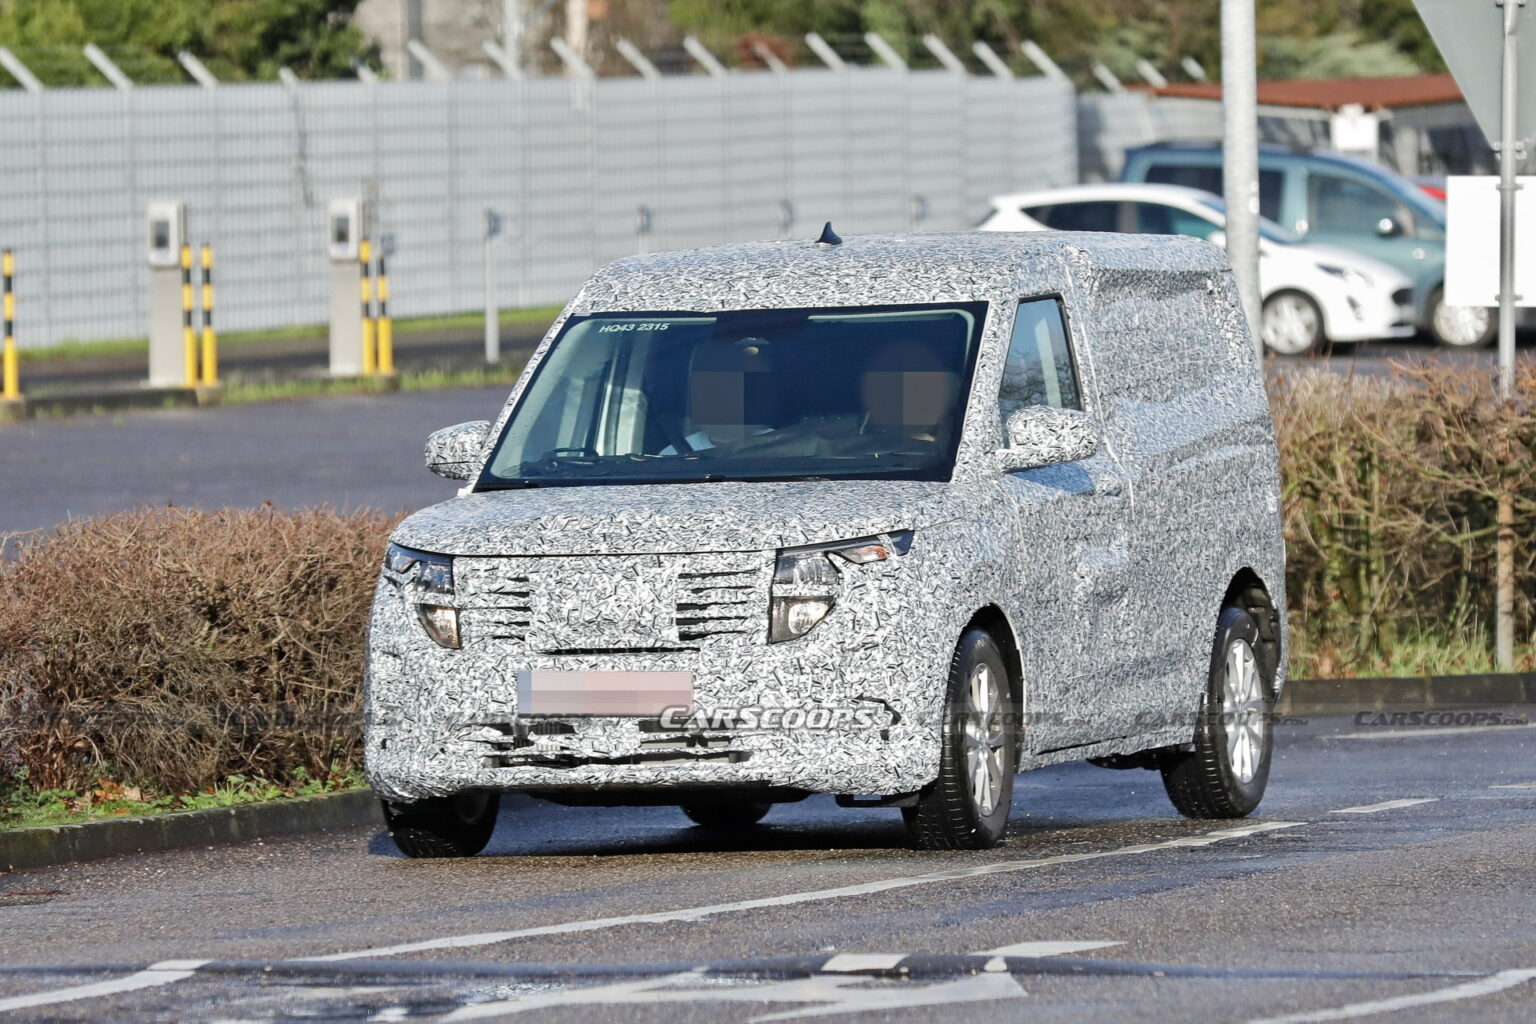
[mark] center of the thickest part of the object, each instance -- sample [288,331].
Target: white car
[1312,293]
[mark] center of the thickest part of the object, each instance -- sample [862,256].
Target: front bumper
[852,707]
[1370,314]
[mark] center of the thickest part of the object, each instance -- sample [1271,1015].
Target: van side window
[1039,369]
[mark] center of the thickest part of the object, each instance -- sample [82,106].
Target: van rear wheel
[1225,775]
[966,807]
[453,826]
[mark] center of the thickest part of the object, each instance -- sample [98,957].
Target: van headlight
[806,580]
[431,574]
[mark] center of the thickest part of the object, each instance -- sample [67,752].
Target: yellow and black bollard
[10,376]
[386,329]
[210,340]
[188,334]
[370,352]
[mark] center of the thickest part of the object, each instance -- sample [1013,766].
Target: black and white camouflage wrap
[1106,572]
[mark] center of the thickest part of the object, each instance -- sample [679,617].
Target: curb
[1341,696]
[214,826]
[77,403]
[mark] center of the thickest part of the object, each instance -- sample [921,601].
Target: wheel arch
[1248,591]
[995,622]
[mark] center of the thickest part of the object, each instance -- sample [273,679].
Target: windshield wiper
[508,485]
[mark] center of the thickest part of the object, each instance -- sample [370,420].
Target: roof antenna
[828,236]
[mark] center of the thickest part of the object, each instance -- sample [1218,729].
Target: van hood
[673,518]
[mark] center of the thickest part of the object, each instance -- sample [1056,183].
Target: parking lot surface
[1387,877]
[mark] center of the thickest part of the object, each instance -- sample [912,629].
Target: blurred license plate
[557,692]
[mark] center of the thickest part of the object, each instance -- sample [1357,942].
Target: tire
[1292,324]
[1463,327]
[727,817]
[966,807]
[1225,775]
[455,826]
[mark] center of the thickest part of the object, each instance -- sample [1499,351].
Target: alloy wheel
[984,737]
[1243,711]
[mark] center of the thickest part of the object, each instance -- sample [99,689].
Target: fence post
[12,405]
[210,340]
[386,327]
[188,335]
[365,264]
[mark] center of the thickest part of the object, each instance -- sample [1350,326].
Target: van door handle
[1111,487]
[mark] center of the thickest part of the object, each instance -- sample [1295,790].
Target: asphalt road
[356,451]
[1388,877]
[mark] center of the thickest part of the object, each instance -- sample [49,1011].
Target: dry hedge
[171,648]
[1391,491]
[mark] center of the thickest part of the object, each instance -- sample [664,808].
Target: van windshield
[770,394]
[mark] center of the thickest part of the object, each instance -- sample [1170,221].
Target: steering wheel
[552,459]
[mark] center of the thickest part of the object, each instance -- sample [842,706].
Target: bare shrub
[1391,491]
[173,648]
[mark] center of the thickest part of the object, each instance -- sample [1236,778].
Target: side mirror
[453,451]
[1039,435]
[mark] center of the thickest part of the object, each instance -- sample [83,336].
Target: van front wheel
[453,826]
[966,807]
[1225,775]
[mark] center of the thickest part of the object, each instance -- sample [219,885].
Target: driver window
[1039,369]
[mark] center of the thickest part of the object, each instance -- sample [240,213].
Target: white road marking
[1386,805]
[162,973]
[848,962]
[1470,990]
[1516,785]
[1413,734]
[1046,948]
[691,914]
[836,994]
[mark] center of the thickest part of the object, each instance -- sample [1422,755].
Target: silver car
[891,518]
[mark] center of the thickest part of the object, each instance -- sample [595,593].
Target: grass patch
[26,808]
[245,392]
[1418,654]
[406,328]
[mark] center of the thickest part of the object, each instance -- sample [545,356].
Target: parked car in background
[1312,294]
[892,518]
[1329,198]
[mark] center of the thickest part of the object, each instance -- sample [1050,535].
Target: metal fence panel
[567,163]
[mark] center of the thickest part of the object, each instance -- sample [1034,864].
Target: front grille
[659,757]
[1402,297]
[716,603]
[649,604]
[502,609]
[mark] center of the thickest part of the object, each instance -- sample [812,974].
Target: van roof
[867,269]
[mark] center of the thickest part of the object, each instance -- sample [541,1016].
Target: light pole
[1240,155]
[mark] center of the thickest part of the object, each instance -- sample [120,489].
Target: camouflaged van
[891,518]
